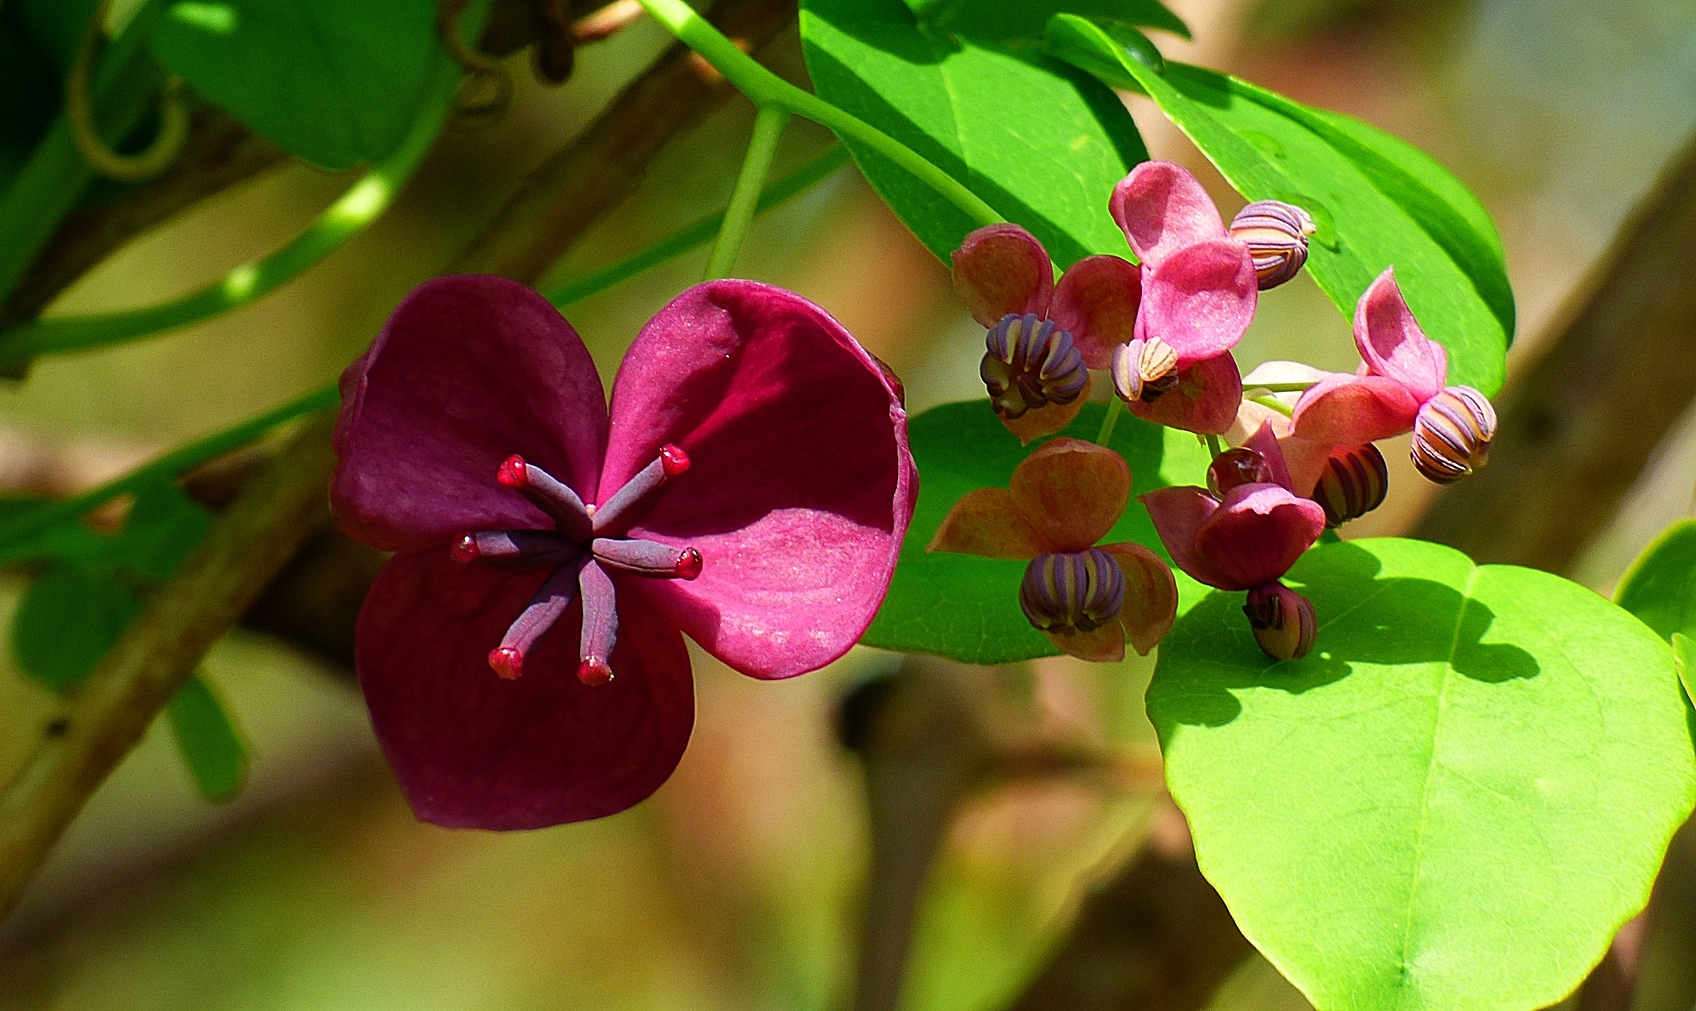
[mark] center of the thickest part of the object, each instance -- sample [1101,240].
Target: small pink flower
[1399,388]
[1247,532]
[1038,373]
[1199,292]
[751,488]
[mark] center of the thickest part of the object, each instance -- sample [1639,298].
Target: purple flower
[751,488]
[1199,292]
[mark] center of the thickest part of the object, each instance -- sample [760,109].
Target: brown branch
[1580,423]
[108,714]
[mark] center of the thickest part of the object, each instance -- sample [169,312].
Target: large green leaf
[1026,19]
[336,83]
[1660,586]
[1453,802]
[1041,142]
[967,607]
[1377,201]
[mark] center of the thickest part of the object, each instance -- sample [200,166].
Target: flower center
[1029,362]
[584,544]
[1073,591]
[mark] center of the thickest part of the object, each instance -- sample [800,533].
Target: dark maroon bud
[1144,369]
[1071,592]
[1031,363]
[1283,620]
[1276,235]
[1353,483]
[1234,468]
[1452,434]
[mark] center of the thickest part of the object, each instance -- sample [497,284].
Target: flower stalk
[744,199]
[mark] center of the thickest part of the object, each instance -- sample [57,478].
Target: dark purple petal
[1393,345]
[1178,513]
[801,486]
[1350,410]
[1256,535]
[1200,299]
[1162,209]
[1002,269]
[472,750]
[1096,300]
[1204,401]
[468,371]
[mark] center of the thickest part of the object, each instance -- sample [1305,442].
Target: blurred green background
[738,884]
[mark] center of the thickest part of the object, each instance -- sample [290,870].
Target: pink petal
[801,485]
[1104,645]
[985,522]
[1205,399]
[1200,299]
[1178,513]
[1072,492]
[1350,410]
[468,371]
[1097,300]
[1265,442]
[1151,595]
[1001,269]
[1162,209]
[1392,343]
[472,750]
[1256,535]
[1045,420]
[1250,416]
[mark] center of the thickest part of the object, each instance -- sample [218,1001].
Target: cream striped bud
[1029,363]
[1283,620]
[1276,235]
[1144,369]
[1452,434]
[1353,483]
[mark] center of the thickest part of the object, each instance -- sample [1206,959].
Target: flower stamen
[600,625]
[1030,363]
[617,512]
[548,493]
[538,616]
[1071,592]
[647,558]
[515,547]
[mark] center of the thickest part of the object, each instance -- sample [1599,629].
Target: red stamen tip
[507,661]
[464,549]
[688,563]
[593,671]
[512,473]
[673,459]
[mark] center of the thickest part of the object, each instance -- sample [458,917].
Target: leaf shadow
[1372,619]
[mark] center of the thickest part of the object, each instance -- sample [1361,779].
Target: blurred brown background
[738,885]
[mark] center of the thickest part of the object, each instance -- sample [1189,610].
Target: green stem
[16,534]
[1275,404]
[768,130]
[767,89]
[1214,446]
[1108,421]
[699,233]
[1283,387]
[362,204]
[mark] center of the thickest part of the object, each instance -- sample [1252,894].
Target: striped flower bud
[1353,483]
[1452,434]
[1144,369]
[1075,591]
[1031,363]
[1283,620]
[1276,235]
[1236,467]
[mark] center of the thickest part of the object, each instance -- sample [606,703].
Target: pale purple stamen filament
[619,511]
[537,617]
[600,624]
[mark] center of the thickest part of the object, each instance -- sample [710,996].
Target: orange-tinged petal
[1104,645]
[1035,424]
[986,522]
[1072,491]
[1151,595]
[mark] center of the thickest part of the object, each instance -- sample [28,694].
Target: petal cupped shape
[1393,345]
[1001,269]
[468,371]
[1256,534]
[801,485]
[1097,301]
[1346,410]
[1204,401]
[473,750]
[1162,208]
[1200,299]
[1072,492]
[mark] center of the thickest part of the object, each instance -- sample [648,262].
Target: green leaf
[1684,654]
[1038,140]
[208,740]
[1660,586]
[1449,803]
[967,607]
[1026,19]
[1376,200]
[335,83]
[66,622]
[164,527]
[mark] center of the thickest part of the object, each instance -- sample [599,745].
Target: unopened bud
[1283,620]
[1452,434]
[1234,468]
[1076,591]
[1353,483]
[1276,235]
[1144,369]
[1030,363]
